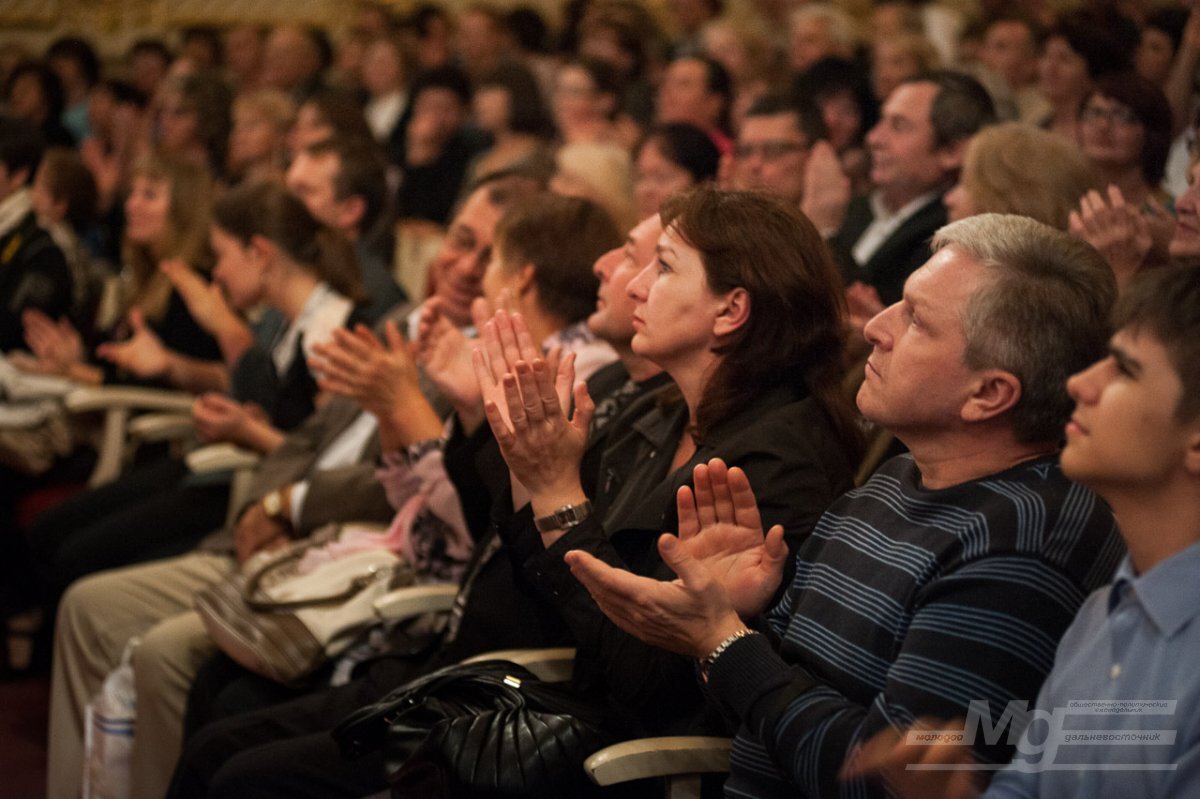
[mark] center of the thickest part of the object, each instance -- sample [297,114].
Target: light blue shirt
[1124,695]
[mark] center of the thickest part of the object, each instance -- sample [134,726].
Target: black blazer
[899,255]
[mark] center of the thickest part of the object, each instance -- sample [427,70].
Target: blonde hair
[598,171]
[1012,168]
[270,104]
[190,187]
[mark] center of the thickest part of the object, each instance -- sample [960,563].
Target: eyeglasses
[770,150]
[1117,116]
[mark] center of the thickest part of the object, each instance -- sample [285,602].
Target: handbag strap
[254,582]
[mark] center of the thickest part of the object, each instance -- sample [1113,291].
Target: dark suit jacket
[899,255]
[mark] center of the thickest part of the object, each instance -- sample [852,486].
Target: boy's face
[1124,434]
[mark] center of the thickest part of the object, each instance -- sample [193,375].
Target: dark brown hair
[794,335]
[1166,303]
[269,210]
[562,237]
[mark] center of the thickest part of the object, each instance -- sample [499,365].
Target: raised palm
[720,528]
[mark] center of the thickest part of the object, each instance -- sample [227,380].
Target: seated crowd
[825,382]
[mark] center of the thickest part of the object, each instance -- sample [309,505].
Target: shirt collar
[13,209]
[880,212]
[1169,593]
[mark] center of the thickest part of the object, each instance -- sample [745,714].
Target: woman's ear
[734,312]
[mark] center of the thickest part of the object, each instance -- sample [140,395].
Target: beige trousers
[98,615]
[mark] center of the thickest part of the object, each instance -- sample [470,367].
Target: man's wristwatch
[706,662]
[275,506]
[564,518]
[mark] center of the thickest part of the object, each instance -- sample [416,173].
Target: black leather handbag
[487,729]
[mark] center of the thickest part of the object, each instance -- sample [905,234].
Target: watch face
[272,504]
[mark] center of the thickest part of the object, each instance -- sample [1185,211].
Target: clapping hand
[142,354]
[444,352]
[356,364]
[525,396]
[826,189]
[220,418]
[727,569]
[1120,232]
[56,345]
[918,762]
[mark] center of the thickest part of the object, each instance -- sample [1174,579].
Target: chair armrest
[151,427]
[102,398]
[550,665]
[415,600]
[117,403]
[221,457]
[658,757]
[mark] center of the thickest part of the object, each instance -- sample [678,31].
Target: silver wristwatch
[564,518]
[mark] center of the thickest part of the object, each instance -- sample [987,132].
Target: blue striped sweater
[909,602]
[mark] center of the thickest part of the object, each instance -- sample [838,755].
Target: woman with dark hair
[839,89]
[195,116]
[672,159]
[1125,133]
[34,93]
[587,96]
[1082,47]
[508,106]
[742,308]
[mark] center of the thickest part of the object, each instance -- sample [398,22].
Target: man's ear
[994,392]
[734,313]
[1191,455]
[525,280]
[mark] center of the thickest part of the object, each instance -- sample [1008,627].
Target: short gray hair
[1043,316]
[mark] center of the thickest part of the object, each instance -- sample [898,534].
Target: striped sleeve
[986,631]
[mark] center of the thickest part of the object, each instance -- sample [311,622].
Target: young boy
[1119,714]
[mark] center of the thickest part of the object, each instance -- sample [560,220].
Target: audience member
[1010,51]
[259,135]
[243,749]
[772,148]
[294,60]
[670,160]
[438,145]
[148,61]
[916,151]
[895,59]
[323,472]
[863,638]
[78,69]
[998,177]
[840,90]
[34,93]
[599,171]
[65,201]
[194,119]
[586,99]
[509,107]
[343,183]
[385,72]
[35,274]
[1081,47]
[820,30]
[1125,133]
[1133,438]
[328,113]
[243,48]
[697,90]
